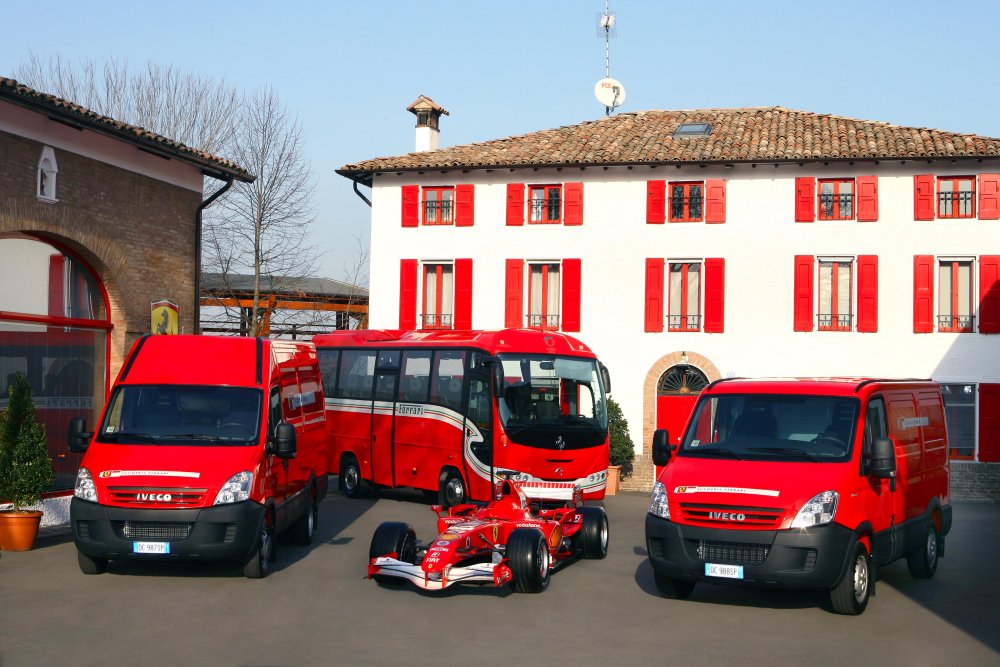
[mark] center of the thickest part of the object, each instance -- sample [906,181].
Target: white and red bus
[443,410]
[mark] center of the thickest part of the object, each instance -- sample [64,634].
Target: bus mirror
[78,438]
[661,447]
[284,441]
[882,461]
[605,377]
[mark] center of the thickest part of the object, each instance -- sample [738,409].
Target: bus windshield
[551,401]
[182,415]
[772,427]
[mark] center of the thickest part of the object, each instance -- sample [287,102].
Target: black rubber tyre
[675,589]
[451,489]
[851,595]
[91,565]
[922,562]
[528,557]
[393,537]
[351,482]
[259,565]
[302,531]
[593,535]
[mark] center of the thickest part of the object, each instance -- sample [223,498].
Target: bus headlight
[658,502]
[236,490]
[85,489]
[818,511]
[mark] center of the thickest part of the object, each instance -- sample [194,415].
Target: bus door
[479,424]
[383,411]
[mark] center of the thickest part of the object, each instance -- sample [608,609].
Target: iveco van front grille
[731,516]
[157,531]
[736,553]
[152,495]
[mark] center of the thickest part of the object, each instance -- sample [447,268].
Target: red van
[208,448]
[802,484]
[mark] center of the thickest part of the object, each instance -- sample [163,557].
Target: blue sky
[349,69]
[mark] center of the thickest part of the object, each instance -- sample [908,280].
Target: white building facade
[684,247]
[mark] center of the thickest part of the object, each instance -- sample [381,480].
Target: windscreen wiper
[714,451]
[202,438]
[129,434]
[785,450]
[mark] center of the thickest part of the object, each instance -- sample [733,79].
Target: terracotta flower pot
[18,530]
[614,473]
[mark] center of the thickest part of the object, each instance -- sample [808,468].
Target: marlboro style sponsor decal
[726,489]
[149,473]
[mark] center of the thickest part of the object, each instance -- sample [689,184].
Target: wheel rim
[350,478]
[311,522]
[860,579]
[454,491]
[265,549]
[604,534]
[931,547]
[543,560]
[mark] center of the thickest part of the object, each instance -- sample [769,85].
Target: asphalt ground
[317,608]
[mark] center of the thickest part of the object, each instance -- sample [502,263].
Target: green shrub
[622,447]
[25,464]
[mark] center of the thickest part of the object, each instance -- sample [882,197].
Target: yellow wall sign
[163,318]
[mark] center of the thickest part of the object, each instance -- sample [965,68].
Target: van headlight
[658,501]
[85,489]
[818,511]
[236,490]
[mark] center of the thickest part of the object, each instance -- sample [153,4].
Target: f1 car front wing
[480,573]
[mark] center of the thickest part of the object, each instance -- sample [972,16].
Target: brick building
[98,220]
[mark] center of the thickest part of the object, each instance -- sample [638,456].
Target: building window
[438,206]
[543,295]
[686,202]
[836,199]
[684,312]
[545,204]
[956,197]
[439,296]
[835,291]
[47,172]
[960,418]
[955,297]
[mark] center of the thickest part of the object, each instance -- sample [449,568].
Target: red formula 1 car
[504,541]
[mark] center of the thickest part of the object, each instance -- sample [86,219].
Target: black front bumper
[220,533]
[808,558]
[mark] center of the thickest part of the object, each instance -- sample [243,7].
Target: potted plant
[622,448]
[25,467]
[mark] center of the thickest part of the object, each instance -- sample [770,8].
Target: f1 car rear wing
[564,491]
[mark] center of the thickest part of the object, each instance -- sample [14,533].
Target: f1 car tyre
[451,489]
[351,482]
[851,595]
[259,565]
[305,526]
[528,556]
[673,588]
[91,565]
[393,537]
[593,535]
[922,562]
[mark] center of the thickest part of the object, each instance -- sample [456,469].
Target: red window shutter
[654,295]
[805,201]
[868,293]
[465,205]
[573,213]
[515,204]
[923,294]
[989,196]
[715,293]
[989,294]
[408,294]
[867,198]
[571,295]
[411,205]
[803,293]
[923,197]
[656,202]
[514,277]
[989,423]
[463,294]
[715,201]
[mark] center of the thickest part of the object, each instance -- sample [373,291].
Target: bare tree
[357,274]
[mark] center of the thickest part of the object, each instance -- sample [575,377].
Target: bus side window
[446,382]
[415,379]
[329,360]
[357,374]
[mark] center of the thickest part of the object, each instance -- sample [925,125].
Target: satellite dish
[610,92]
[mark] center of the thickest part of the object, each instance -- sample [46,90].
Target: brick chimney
[428,113]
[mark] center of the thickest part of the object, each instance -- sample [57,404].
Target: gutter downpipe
[197,248]
[358,193]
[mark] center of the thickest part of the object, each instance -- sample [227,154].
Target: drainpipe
[197,249]
[358,193]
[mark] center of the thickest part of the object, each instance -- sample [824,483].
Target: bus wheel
[353,485]
[451,489]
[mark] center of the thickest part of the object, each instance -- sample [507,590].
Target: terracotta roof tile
[763,134]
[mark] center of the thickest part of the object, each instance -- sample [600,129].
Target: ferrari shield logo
[163,318]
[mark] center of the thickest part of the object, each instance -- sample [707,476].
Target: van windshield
[182,415]
[772,427]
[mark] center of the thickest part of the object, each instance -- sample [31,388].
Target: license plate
[150,547]
[727,571]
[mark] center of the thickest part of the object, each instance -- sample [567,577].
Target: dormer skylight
[693,130]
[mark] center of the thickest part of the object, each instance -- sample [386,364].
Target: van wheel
[259,565]
[675,589]
[393,537]
[593,535]
[351,482]
[451,489]
[922,562]
[305,527]
[851,595]
[89,565]
[528,555]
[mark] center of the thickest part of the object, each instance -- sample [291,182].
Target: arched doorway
[54,327]
[676,393]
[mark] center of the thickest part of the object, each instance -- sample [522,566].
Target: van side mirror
[661,447]
[605,377]
[882,460]
[78,438]
[284,441]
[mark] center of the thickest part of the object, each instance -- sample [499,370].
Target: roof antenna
[609,92]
